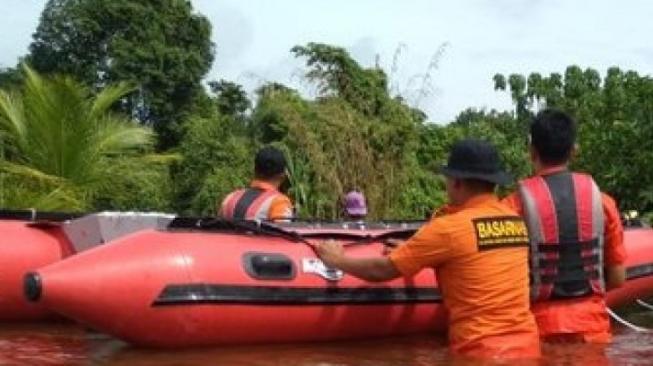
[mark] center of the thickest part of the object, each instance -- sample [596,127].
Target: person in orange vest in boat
[576,237]
[479,249]
[262,200]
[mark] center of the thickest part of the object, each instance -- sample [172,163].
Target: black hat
[475,159]
[269,162]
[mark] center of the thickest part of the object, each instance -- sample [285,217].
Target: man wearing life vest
[479,249]
[262,200]
[576,237]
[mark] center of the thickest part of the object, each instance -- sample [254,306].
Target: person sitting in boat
[355,206]
[354,209]
[577,249]
[262,200]
[479,248]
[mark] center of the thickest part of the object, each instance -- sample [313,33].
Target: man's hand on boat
[391,244]
[331,252]
[372,269]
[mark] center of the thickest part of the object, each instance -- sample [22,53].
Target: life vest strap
[259,209]
[569,277]
[245,201]
[592,260]
[568,245]
[576,263]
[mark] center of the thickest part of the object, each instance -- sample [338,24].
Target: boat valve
[32,286]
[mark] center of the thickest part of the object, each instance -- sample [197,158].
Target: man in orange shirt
[262,200]
[576,237]
[479,248]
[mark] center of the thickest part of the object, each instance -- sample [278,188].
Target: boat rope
[308,239]
[644,304]
[628,324]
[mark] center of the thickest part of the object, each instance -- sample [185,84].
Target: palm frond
[59,133]
[29,172]
[165,159]
[12,117]
[114,136]
[59,199]
[108,97]
[22,188]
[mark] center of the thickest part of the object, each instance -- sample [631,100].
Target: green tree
[615,117]
[336,73]
[231,98]
[160,46]
[10,77]
[353,135]
[216,160]
[505,131]
[66,144]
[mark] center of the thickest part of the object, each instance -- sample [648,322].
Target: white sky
[482,37]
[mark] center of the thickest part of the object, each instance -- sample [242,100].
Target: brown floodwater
[67,344]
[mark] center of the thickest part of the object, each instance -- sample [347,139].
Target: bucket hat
[475,159]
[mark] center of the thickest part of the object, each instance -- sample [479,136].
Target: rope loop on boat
[644,304]
[628,324]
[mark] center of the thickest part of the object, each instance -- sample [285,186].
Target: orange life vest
[249,204]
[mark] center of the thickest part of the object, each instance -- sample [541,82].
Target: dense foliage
[64,149]
[615,117]
[160,46]
[70,144]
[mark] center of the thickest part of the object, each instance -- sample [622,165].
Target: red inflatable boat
[32,239]
[27,243]
[639,268]
[230,283]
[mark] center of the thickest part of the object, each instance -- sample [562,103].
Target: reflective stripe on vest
[249,204]
[564,215]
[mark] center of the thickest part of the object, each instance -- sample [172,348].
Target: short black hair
[553,135]
[478,185]
[269,162]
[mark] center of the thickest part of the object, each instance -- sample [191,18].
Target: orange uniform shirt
[484,282]
[281,207]
[584,318]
